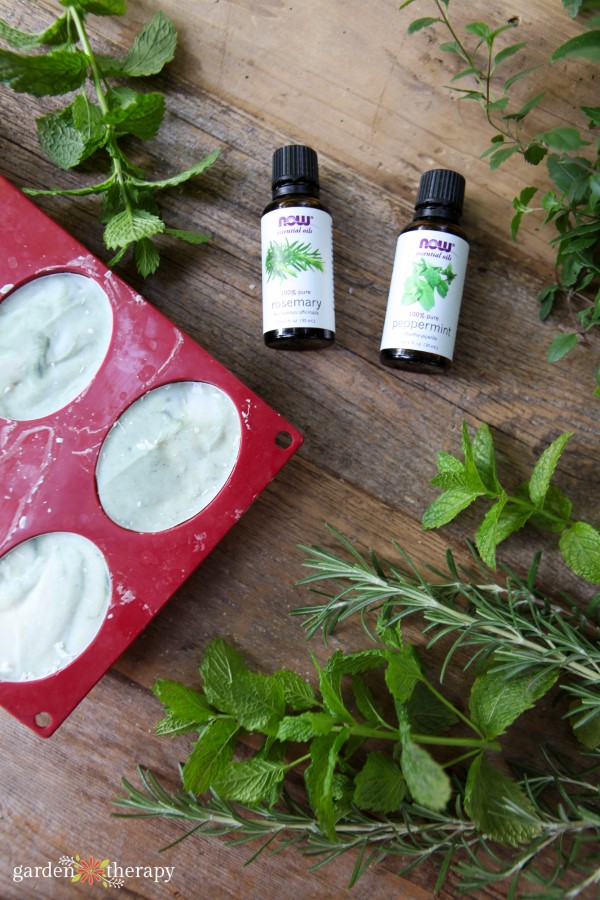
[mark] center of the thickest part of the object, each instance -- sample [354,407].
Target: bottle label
[297,269]
[425,292]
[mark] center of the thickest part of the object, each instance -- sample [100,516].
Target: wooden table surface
[249,76]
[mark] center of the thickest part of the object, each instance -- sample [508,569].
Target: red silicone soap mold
[47,465]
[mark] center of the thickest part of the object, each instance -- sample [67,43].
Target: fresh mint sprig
[486,65]
[60,60]
[401,801]
[536,501]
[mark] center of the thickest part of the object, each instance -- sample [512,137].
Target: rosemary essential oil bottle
[427,279]
[297,256]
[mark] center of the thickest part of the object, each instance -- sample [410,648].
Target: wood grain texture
[251,75]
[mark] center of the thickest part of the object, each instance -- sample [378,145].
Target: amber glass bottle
[428,278]
[297,256]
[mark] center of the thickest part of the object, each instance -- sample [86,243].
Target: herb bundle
[60,60]
[410,774]
[573,203]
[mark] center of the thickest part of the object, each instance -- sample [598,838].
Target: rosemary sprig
[516,628]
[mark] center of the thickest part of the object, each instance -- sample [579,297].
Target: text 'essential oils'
[297,256]
[428,278]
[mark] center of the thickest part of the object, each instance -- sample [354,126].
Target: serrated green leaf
[496,701]
[452,472]
[129,226]
[56,72]
[151,50]
[507,52]
[403,672]
[426,780]
[427,714]
[539,482]
[187,705]
[71,135]
[194,170]
[447,506]
[251,781]
[498,806]
[171,726]
[353,663]
[484,457]
[380,785]
[146,256]
[580,547]
[555,512]
[500,156]
[22,40]
[364,700]
[512,518]
[305,726]
[210,756]
[487,536]
[221,664]
[324,754]
[297,692]
[534,154]
[138,114]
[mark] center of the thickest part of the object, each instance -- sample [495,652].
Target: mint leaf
[380,784]
[152,49]
[130,226]
[555,512]
[580,547]
[297,692]
[354,663]
[72,134]
[560,346]
[196,169]
[543,471]
[99,7]
[187,705]
[586,729]
[135,113]
[251,782]
[190,237]
[497,701]
[484,457]
[23,40]
[56,72]
[425,778]
[171,726]
[452,472]
[511,519]
[488,535]
[146,257]
[447,506]
[305,727]
[324,753]
[221,665]
[364,700]
[211,754]
[427,714]
[403,672]
[329,686]
[498,806]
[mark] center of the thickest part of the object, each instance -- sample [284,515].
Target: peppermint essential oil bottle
[427,279]
[297,256]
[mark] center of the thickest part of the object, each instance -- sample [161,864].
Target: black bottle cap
[441,187]
[294,165]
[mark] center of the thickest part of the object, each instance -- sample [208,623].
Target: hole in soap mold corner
[56,590]
[168,456]
[283,440]
[55,333]
[43,719]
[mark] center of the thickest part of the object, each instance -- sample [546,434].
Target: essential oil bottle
[427,279]
[297,256]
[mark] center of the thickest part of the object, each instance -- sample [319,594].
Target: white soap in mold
[55,590]
[168,456]
[54,335]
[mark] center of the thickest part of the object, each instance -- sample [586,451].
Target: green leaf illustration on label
[425,282]
[284,260]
